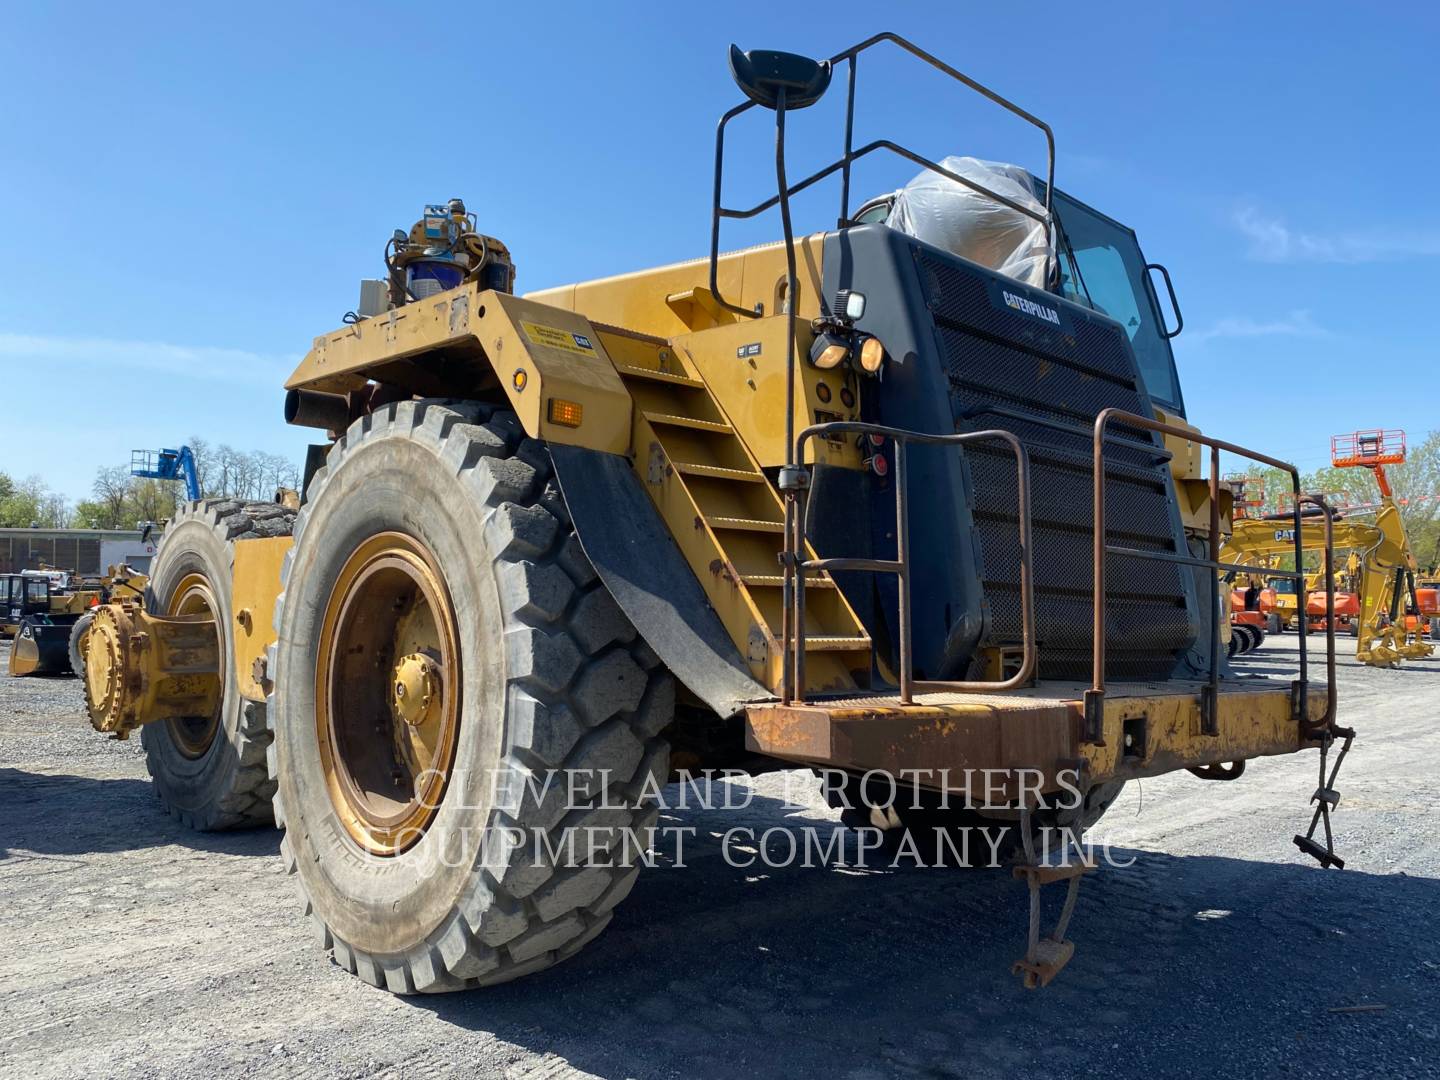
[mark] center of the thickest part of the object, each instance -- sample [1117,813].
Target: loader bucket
[40,647]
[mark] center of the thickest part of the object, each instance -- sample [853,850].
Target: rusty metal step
[777,581]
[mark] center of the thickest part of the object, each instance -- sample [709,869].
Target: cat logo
[1030,307]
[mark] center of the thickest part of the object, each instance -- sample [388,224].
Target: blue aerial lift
[167,465]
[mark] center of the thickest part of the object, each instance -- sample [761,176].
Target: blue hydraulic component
[167,465]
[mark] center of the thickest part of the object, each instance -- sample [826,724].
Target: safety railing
[145,462]
[796,486]
[844,163]
[1094,708]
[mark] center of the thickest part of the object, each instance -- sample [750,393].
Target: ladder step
[629,372]
[718,472]
[814,643]
[776,581]
[1046,875]
[746,524]
[719,427]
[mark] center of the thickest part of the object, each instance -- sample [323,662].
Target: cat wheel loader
[910,494]
[38,610]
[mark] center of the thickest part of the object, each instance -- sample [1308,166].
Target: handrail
[851,155]
[797,527]
[1094,712]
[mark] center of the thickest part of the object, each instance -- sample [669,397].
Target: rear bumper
[1149,730]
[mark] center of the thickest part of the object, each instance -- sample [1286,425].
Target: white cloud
[119,360]
[1295,324]
[1272,240]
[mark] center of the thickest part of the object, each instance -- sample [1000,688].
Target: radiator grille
[1047,384]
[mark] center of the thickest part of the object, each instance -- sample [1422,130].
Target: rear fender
[639,562]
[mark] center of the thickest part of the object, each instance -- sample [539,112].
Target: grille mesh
[1047,384]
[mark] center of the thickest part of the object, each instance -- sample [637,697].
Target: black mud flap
[625,538]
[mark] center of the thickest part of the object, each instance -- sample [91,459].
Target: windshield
[1102,268]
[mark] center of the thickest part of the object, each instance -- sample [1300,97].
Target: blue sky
[190,194]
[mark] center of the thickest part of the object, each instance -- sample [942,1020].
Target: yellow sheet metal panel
[536,353]
[1188,465]
[338,360]
[1252,723]
[674,299]
[744,366]
[252,599]
[544,354]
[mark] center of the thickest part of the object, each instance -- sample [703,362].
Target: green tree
[112,493]
[151,500]
[31,504]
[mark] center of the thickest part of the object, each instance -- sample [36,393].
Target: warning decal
[558,339]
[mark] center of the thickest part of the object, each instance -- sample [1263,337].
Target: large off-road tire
[77,641]
[553,683]
[210,771]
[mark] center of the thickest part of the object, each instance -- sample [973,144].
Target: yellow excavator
[910,495]
[1375,561]
[1381,609]
[1390,614]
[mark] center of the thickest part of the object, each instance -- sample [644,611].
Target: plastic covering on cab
[951,216]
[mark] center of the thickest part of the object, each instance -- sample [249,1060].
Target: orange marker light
[565,413]
[872,355]
[831,357]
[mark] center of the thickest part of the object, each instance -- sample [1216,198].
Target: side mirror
[762,73]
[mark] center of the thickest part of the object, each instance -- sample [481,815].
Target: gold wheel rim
[194,735]
[387,698]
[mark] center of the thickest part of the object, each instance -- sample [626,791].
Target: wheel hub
[142,668]
[387,692]
[194,735]
[417,685]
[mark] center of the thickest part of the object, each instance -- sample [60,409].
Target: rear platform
[1149,729]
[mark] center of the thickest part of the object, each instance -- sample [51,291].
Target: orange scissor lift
[1249,627]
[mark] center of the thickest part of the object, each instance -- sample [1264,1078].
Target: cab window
[1101,267]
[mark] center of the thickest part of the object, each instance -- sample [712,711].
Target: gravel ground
[131,947]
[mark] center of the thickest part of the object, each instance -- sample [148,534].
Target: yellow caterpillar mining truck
[847,501]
